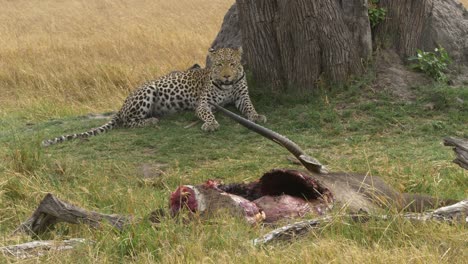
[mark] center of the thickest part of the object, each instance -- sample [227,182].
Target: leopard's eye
[219,64]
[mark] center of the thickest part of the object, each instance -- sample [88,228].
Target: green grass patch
[352,130]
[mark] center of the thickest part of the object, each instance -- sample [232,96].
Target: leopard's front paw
[208,127]
[258,118]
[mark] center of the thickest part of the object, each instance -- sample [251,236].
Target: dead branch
[460,149]
[291,230]
[194,123]
[52,210]
[453,213]
[40,248]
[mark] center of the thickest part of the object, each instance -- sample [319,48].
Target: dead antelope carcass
[278,194]
[288,193]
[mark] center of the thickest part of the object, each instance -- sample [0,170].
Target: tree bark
[404,24]
[425,24]
[230,35]
[261,51]
[292,43]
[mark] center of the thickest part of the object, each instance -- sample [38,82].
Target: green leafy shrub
[434,64]
[376,14]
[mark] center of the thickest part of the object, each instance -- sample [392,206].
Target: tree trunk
[425,24]
[292,43]
[404,24]
[230,35]
[257,23]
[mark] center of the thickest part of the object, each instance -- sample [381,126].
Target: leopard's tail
[93,132]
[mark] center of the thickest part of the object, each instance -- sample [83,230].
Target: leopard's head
[226,67]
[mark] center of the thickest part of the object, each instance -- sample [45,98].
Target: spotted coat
[223,83]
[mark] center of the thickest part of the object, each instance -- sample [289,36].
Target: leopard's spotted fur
[222,83]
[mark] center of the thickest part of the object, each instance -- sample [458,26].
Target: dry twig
[39,248]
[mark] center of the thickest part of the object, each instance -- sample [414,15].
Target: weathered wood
[453,213]
[460,149]
[52,210]
[290,44]
[39,248]
[291,230]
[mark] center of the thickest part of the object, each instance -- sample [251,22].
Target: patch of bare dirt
[395,77]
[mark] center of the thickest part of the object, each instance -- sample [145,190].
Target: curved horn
[310,163]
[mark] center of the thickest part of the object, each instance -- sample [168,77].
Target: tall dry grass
[87,55]
[66,57]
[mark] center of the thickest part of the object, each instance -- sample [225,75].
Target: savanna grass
[60,60]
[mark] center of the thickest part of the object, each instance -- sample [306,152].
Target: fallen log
[39,248]
[460,149]
[52,210]
[453,213]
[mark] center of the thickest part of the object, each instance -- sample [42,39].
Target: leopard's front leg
[244,104]
[204,112]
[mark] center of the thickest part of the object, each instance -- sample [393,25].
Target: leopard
[222,82]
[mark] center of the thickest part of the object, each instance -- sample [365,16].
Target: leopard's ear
[240,50]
